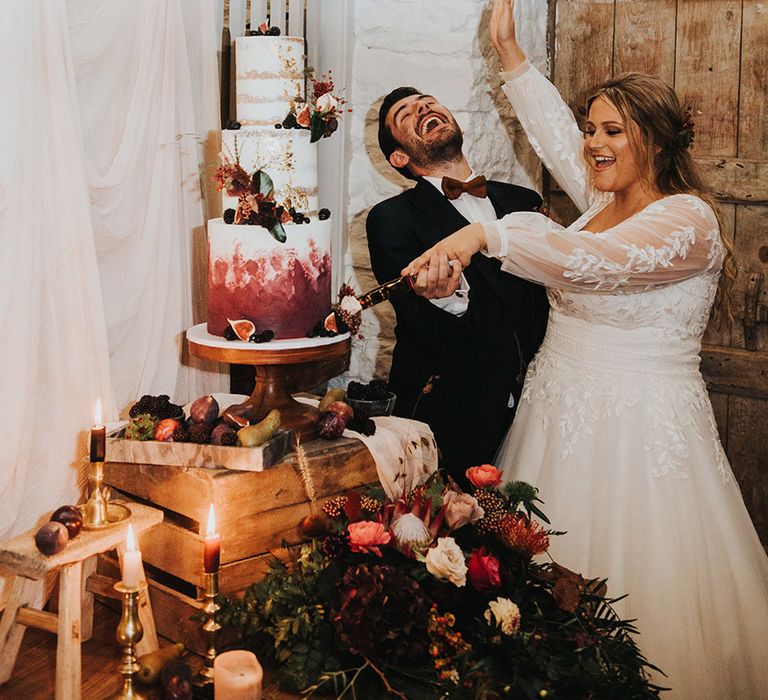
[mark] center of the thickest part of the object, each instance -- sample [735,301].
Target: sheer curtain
[102,223]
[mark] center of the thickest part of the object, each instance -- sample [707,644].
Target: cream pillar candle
[131,561]
[237,675]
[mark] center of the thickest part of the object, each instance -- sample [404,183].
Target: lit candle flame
[211,530]
[130,540]
[97,420]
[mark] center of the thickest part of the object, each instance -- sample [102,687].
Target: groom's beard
[446,149]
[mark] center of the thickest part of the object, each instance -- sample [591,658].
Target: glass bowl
[369,409]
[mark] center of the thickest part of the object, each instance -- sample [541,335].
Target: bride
[615,426]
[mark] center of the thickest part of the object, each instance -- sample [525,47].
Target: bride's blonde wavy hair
[664,158]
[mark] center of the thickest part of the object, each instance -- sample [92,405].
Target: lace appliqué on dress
[574,403]
[600,273]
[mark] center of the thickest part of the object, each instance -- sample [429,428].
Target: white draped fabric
[102,222]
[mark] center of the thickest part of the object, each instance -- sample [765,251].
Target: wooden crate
[255,512]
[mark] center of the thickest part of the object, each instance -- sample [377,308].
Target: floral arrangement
[255,194]
[437,595]
[321,113]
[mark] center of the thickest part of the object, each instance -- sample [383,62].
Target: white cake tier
[269,77]
[283,287]
[286,155]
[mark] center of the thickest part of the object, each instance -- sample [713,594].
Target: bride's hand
[503,35]
[459,246]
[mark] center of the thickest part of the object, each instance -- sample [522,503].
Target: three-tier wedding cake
[270,256]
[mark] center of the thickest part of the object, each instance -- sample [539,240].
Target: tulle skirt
[627,459]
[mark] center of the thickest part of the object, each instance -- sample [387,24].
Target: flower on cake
[321,111]
[256,205]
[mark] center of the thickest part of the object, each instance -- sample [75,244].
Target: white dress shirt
[474,210]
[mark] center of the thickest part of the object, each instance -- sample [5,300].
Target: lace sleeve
[672,239]
[552,131]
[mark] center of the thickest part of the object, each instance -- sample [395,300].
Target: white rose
[327,103]
[506,613]
[446,561]
[410,529]
[351,305]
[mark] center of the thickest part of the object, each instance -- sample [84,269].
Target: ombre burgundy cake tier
[283,287]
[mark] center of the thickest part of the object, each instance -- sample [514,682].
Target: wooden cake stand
[272,361]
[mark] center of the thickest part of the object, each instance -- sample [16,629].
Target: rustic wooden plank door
[715,54]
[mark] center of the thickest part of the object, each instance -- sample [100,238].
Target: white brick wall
[442,48]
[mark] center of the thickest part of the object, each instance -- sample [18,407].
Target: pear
[255,435]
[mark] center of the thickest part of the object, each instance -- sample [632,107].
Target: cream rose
[460,509]
[326,103]
[446,561]
[506,613]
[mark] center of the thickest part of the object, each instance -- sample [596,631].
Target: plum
[330,425]
[343,409]
[204,410]
[51,538]
[71,518]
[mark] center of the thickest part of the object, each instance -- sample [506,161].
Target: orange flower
[483,477]
[523,535]
[365,535]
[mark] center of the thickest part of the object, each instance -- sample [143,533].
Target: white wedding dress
[616,429]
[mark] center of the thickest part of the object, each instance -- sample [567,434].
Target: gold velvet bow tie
[453,189]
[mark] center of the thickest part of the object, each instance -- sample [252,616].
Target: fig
[204,410]
[71,518]
[343,409]
[51,538]
[243,328]
[223,435]
[330,425]
[239,415]
[176,679]
[166,428]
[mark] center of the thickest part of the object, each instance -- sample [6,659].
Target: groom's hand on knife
[439,277]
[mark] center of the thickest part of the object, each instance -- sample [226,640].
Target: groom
[458,362]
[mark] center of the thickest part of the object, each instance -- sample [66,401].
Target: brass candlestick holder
[210,626]
[98,512]
[129,633]
[97,507]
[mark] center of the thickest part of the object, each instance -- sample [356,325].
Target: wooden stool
[26,570]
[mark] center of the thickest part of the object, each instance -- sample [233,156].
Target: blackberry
[274,31]
[229,216]
[180,434]
[229,333]
[376,390]
[298,219]
[324,214]
[306,219]
[364,426]
[278,125]
[229,439]
[200,433]
[232,125]
[290,121]
[264,337]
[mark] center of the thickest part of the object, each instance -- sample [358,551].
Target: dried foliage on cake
[437,595]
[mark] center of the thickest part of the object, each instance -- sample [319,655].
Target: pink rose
[365,535]
[483,569]
[485,476]
[460,509]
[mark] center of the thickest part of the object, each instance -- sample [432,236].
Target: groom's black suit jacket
[474,361]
